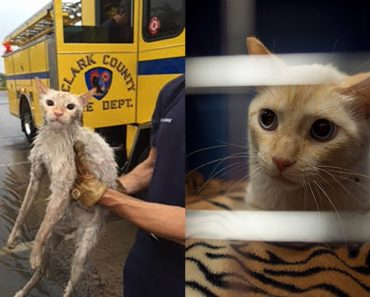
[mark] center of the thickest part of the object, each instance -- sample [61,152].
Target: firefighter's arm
[139,178]
[165,221]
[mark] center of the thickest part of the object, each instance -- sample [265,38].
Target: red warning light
[8,47]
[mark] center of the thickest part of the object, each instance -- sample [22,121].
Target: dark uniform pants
[154,268]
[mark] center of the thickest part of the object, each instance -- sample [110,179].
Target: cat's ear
[357,86]
[84,98]
[41,88]
[256,47]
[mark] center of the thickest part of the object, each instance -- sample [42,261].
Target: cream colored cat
[309,144]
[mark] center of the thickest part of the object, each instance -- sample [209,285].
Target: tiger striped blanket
[216,268]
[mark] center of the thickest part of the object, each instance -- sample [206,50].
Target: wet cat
[52,153]
[309,144]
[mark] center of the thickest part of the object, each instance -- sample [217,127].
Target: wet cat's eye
[49,102]
[268,119]
[323,130]
[71,106]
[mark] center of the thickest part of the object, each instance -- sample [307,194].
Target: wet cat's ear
[256,47]
[41,88]
[84,98]
[357,86]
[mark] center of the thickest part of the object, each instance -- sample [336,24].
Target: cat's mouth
[282,179]
[57,122]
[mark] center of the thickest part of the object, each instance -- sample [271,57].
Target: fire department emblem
[154,25]
[99,78]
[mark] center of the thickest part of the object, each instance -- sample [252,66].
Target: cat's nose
[58,113]
[282,164]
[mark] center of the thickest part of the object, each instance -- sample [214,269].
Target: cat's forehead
[295,97]
[296,102]
[60,96]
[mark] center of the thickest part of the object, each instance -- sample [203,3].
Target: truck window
[163,19]
[113,22]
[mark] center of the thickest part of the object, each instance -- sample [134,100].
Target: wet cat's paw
[19,294]
[35,259]
[68,290]
[12,240]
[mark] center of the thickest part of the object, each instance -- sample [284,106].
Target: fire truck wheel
[27,123]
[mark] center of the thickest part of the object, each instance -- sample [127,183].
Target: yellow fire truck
[127,49]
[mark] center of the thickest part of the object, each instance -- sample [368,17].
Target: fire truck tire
[27,123]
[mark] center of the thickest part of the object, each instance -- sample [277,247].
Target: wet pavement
[103,275]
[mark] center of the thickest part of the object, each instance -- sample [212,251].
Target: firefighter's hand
[87,189]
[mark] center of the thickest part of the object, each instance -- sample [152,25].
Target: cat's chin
[284,183]
[56,124]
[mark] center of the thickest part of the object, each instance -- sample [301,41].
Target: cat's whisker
[243,164]
[217,165]
[233,168]
[241,155]
[338,215]
[343,170]
[314,197]
[206,149]
[234,145]
[341,184]
[362,199]
[337,181]
[332,52]
[320,194]
[241,180]
[354,182]
[305,194]
[359,67]
[220,160]
[214,161]
[349,173]
[351,73]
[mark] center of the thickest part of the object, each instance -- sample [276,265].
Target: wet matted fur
[52,153]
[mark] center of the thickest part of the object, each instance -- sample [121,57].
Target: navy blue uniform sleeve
[168,137]
[156,118]
[165,98]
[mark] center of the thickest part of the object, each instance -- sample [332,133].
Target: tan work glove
[87,189]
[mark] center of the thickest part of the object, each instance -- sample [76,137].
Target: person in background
[155,265]
[119,25]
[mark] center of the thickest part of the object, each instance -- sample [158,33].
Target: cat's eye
[71,106]
[268,119]
[49,102]
[323,130]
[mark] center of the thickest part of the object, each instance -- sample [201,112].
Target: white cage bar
[240,72]
[286,226]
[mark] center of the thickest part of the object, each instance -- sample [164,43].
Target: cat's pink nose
[58,113]
[282,164]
